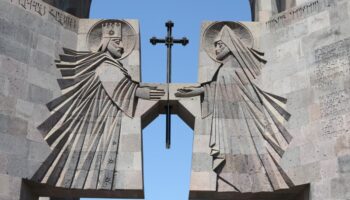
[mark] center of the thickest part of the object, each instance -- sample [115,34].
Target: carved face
[115,47]
[221,50]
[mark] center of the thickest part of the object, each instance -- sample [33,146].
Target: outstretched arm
[189,91]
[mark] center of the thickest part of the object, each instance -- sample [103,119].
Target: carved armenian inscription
[331,77]
[44,9]
[284,18]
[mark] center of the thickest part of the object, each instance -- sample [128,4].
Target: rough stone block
[138,161]
[340,13]
[39,95]
[34,134]
[13,125]
[17,166]
[25,36]
[309,154]
[3,163]
[325,149]
[7,105]
[11,67]
[24,109]
[201,144]
[203,181]
[48,29]
[340,187]
[299,119]
[18,88]
[5,181]
[344,164]
[128,180]
[31,21]
[5,10]
[130,143]
[291,158]
[14,50]
[38,151]
[329,169]
[46,45]
[321,190]
[3,85]
[42,79]
[201,162]
[42,61]
[68,39]
[202,126]
[125,161]
[300,29]
[342,146]
[319,21]
[40,114]
[7,29]
[13,145]
[131,125]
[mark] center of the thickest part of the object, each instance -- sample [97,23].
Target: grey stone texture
[307,50]
[306,45]
[262,10]
[29,37]
[32,35]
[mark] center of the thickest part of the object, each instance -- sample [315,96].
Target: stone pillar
[262,10]
[78,8]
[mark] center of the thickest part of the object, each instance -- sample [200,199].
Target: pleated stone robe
[83,130]
[248,137]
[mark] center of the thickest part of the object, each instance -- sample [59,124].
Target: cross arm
[155,40]
[184,41]
[169,40]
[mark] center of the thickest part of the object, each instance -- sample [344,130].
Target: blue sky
[167,172]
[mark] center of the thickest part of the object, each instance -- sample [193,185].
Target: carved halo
[211,33]
[129,36]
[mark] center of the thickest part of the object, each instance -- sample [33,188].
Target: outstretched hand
[155,93]
[150,93]
[189,91]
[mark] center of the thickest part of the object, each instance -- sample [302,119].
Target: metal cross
[169,41]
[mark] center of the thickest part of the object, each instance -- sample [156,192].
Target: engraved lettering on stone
[62,18]
[285,18]
[43,9]
[332,68]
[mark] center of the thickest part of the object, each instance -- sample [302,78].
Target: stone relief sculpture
[84,127]
[247,137]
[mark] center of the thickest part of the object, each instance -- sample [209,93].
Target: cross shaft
[169,41]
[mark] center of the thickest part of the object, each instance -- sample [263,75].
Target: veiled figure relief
[84,128]
[247,137]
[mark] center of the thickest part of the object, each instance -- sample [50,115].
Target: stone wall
[307,49]
[307,53]
[263,10]
[32,34]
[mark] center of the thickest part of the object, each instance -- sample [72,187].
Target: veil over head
[248,58]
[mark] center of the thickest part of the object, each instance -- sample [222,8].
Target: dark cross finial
[169,41]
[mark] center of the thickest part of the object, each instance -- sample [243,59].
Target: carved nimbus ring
[128,34]
[213,30]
